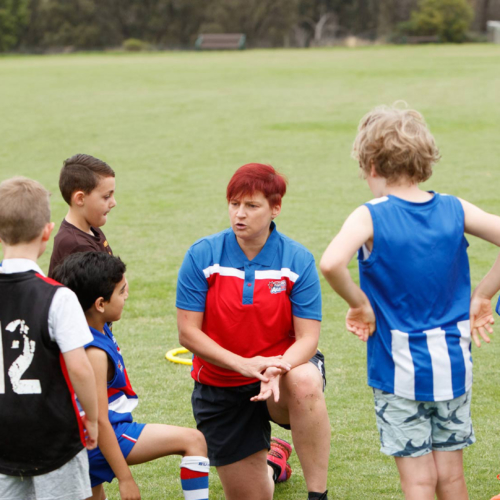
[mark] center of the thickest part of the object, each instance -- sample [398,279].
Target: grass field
[175,126]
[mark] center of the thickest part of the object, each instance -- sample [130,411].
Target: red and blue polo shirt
[248,305]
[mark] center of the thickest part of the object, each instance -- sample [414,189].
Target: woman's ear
[276,210]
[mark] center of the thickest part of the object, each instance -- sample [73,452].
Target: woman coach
[249,308]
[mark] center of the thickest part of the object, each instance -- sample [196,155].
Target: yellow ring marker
[172,356]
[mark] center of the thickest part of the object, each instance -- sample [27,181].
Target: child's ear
[77,198]
[99,304]
[49,227]
[373,170]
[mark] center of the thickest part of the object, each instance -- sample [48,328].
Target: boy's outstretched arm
[356,231]
[82,379]
[487,227]
[108,444]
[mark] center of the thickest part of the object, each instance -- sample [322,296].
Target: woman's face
[251,216]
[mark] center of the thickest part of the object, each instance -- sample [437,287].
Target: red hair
[254,177]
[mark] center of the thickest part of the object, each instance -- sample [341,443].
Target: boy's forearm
[82,379]
[340,280]
[490,284]
[108,444]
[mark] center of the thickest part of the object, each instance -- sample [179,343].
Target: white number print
[21,363]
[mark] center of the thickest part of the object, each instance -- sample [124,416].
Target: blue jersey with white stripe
[417,280]
[121,397]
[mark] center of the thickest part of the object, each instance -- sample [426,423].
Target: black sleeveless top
[40,427]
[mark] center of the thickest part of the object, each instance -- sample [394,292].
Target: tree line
[43,25]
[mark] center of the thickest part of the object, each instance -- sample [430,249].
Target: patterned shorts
[413,428]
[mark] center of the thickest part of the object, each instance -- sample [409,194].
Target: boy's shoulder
[69,240]
[70,234]
[439,200]
[103,340]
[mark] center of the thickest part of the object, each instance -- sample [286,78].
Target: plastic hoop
[172,356]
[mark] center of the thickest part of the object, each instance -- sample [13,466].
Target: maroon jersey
[69,239]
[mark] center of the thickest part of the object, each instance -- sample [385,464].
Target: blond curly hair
[397,142]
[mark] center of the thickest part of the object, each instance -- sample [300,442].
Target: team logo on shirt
[277,286]
[120,366]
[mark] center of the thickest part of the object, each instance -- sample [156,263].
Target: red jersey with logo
[248,305]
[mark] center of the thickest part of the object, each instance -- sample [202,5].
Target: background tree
[448,19]
[14,15]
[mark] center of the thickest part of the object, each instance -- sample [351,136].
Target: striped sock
[194,478]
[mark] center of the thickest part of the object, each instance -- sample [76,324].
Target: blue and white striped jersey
[417,280]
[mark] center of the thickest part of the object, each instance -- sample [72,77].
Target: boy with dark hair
[87,185]
[412,306]
[42,361]
[98,279]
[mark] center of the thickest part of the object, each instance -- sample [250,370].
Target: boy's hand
[129,489]
[90,433]
[481,319]
[361,321]
[271,388]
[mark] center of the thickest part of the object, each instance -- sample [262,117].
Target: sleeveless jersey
[40,429]
[417,281]
[121,397]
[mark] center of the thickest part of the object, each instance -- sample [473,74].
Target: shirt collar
[264,258]
[10,266]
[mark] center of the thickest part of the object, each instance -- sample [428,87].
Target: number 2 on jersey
[21,363]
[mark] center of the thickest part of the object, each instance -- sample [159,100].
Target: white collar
[10,266]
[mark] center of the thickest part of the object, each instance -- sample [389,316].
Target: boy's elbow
[330,267]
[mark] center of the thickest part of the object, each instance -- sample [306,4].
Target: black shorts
[235,427]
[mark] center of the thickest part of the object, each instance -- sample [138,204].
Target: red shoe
[277,460]
[282,446]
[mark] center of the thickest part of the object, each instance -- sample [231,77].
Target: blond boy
[42,361]
[87,185]
[413,304]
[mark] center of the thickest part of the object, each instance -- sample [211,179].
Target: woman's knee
[304,384]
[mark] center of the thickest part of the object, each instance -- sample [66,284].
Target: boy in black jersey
[42,361]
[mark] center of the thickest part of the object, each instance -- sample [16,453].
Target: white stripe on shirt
[123,404]
[464,328]
[259,275]
[404,370]
[277,274]
[441,364]
[223,271]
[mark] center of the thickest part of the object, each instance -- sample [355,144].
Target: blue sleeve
[306,294]
[192,286]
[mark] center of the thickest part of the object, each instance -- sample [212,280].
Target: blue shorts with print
[414,428]
[127,434]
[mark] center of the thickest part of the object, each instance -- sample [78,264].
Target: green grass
[175,126]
